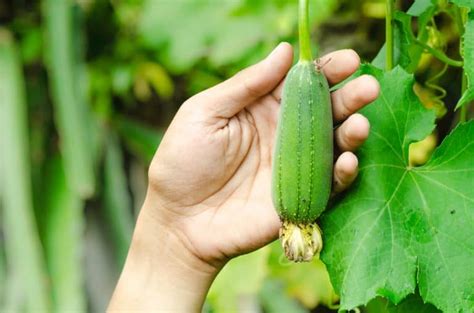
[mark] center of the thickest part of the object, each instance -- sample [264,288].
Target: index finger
[338,65]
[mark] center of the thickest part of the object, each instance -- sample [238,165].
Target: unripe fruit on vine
[303,155]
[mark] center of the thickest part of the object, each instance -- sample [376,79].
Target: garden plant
[87,89]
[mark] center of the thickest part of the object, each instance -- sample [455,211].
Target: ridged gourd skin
[303,159]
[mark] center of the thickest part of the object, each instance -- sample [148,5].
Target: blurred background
[87,89]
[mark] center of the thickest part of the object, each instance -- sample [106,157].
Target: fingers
[345,171]
[352,133]
[349,136]
[353,96]
[338,66]
[231,96]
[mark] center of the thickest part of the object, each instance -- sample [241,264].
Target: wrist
[160,272]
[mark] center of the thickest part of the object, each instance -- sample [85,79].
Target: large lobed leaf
[401,226]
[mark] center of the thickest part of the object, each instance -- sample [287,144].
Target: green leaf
[118,205]
[307,282]
[242,277]
[71,112]
[400,226]
[140,139]
[234,40]
[200,80]
[377,305]
[63,228]
[468,55]
[30,45]
[406,53]
[223,34]
[411,304]
[22,244]
[274,299]
[424,10]
[420,7]
[175,19]
[158,78]
[464,3]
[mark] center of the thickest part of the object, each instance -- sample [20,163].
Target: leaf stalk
[439,54]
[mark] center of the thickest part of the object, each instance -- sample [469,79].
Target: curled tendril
[438,91]
[334,306]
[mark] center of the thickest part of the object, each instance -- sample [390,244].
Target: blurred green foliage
[95,84]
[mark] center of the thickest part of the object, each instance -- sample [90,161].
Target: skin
[209,193]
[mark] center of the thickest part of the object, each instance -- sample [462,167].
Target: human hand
[209,196]
[210,179]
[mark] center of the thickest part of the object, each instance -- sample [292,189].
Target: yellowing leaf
[419,152]
[157,77]
[430,100]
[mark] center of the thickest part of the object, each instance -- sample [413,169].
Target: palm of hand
[211,176]
[220,196]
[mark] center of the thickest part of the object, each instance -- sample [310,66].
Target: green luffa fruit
[303,156]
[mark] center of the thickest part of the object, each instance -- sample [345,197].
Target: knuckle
[340,110]
[249,87]
[345,141]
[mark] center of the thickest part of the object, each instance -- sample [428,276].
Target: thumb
[231,96]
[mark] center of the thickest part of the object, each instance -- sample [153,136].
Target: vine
[389,34]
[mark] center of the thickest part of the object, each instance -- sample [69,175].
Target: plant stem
[457,16]
[439,54]
[462,17]
[303,31]
[463,112]
[389,35]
